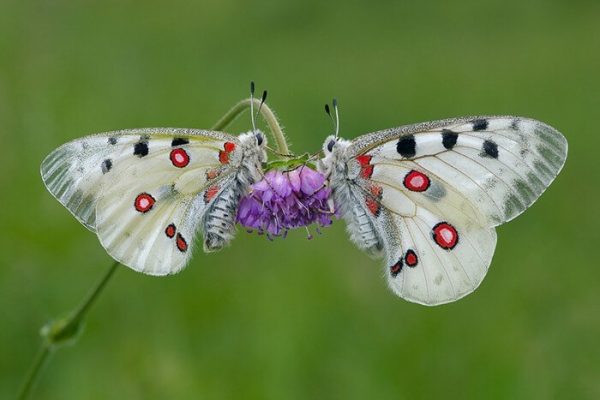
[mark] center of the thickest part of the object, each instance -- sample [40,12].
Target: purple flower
[286,200]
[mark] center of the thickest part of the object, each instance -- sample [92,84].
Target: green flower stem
[62,331]
[266,113]
[32,375]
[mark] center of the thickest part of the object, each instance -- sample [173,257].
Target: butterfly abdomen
[219,220]
[223,199]
[360,227]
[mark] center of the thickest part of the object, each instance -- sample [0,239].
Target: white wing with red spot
[76,172]
[438,260]
[435,252]
[147,193]
[500,164]
[428,196]
[150,218]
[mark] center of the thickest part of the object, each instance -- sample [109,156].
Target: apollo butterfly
[147,192]
[426,197]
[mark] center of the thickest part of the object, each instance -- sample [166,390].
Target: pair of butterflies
[426,197]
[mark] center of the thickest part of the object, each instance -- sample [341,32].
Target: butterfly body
[347,197]
[219,219]
[146,193]
[428,196]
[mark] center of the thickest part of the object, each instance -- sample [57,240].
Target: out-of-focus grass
[296,318]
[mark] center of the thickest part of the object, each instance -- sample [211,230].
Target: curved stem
[36,367]
[267,114]
[83,308]
[62,330]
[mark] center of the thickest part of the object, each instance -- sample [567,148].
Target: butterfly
[427,197]
[146,192]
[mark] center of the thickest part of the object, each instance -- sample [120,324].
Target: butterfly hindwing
[150,226]
[435,253]
[438,260]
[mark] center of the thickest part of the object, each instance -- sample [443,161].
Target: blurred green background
[298,319]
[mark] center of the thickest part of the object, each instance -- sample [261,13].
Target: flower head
[286,200]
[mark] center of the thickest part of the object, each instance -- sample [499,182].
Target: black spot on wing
[112,140]
[406,146]
[140,149]
[106,165]
[179,142]
[396,268]
[449,138]
[490,149]
[480,124]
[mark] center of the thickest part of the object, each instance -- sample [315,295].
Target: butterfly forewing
[76,172]
[500,164]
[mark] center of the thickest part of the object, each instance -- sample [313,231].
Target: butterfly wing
[144,192]
[435,251]
[76,172]
[433,192]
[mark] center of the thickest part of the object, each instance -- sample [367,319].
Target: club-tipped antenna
[252,105]
[262,101]
[337,117]
[335,121]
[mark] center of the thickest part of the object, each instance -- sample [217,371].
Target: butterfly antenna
[335,121]
[328,111]
[262,101]
[337,118]
[252,105]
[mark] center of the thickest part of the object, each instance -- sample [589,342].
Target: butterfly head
[254,142]
[330,144]
[253,153]
[260,137]
[334,149]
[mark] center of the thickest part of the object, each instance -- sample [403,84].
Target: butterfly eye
[259,138]
[330,145]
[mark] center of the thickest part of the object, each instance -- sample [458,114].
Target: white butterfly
[428,196]
[147,192]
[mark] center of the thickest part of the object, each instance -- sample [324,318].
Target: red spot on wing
[373,205]
[210,193]
[376,190]
[445,235]
[223,157]
[366,172]
[364,160]
[144,202]
[396,268]
[170,231]
[229,147]
[372,199]
[416,181]
[212,174]
[179,157]
[411,258]
[366,169]
[181,243]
